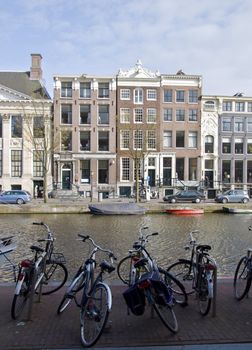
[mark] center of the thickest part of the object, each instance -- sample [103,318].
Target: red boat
[185,211]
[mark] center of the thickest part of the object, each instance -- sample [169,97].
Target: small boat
[7,245]
[236,210]
[185,211]
[116,209]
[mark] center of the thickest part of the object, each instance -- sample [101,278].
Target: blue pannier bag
[135,299]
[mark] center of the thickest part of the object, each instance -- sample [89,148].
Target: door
[66,179]
[209,179]
[151,177]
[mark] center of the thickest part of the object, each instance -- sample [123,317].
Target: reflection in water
[227,234]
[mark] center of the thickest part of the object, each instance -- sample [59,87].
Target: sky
[211,38]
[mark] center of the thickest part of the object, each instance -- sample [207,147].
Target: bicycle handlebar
[50,234]
[87,237]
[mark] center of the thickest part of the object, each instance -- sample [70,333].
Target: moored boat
[116,209]
[185,211]
[237,210]
[7,245]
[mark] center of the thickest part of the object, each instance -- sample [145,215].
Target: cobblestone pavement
[47,330]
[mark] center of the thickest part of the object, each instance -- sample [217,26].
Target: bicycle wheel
[19,301]
[94,315]
[242,279]
[183,272]
[179,293]
[167,316]
[55,277]
[204,299]
[124,269]
[75,286]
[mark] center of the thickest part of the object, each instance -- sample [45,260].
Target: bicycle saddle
[37,249]
[203,247]
[105,266]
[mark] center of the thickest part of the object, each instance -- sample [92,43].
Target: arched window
[209,144]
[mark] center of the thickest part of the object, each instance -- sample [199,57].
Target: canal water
[227,234]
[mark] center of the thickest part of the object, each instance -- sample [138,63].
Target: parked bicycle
[243,275]
[139,271]
[197,273]
[96,301]
[45,273]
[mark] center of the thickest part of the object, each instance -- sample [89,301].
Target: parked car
[185,196]
[232,196]
[15,197]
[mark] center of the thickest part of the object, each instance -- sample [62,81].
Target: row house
[159,123]
[84,134]
[228,140]
[25,130]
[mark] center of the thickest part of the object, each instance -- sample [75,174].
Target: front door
[66,179]
[209,178]
[151,177]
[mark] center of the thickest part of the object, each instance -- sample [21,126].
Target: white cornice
[7,93]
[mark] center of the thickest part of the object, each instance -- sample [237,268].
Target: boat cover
[116,209]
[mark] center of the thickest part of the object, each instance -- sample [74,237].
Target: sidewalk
[47,330]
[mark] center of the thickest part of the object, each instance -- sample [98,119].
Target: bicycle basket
[57,258]
[135,299]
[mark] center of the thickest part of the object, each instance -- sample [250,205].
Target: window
[66,114]
[16,163]
[192,139]
[85,170]
[239,146]
[152,95]
[239,106]
[180,168]
[180,139]
[66,140]
[227,106]
[138,139]
[226,145]
[85,114]
[138,115]
[249,106]
[168,114]
[239,124]
[180,96]
[193,96]
[66,89]
[1,163]
[138,96]
[249,171]
[238,171]
[151,161]
[124,115]
[85,90]
[192,169]
[103,90]
[103,171]
[103,114]
[167,95]
[38,157]
[209,144]
[125,169]
[103,140]
[16,126]
[226,124]
[124,139]
[151,139]
[226,171]
[137,169]
[1,126]
[180,115]
[124,94]
[193,115]
[167,139]
[151,115]
[85,141]
[38,127]
[249,125]
[249,146]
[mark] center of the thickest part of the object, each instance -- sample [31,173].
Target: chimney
[36,71]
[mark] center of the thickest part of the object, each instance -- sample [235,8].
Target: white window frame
[192,139]
[138,139]
[151,95]
[125,94]
[151,139]
[138,117]
[167,139]
[125,169]
[124,139]
[125,115]
[151,115]
[138,96]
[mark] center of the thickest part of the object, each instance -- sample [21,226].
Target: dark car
[185,196]
[15,197]
[232,196]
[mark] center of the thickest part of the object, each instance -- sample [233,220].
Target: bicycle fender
[185,261]
[19,285]
[109,294]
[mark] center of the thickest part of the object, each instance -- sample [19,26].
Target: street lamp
[91,183]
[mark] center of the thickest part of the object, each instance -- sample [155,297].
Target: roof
[20,81]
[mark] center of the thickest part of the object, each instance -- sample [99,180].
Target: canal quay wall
[80,206]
